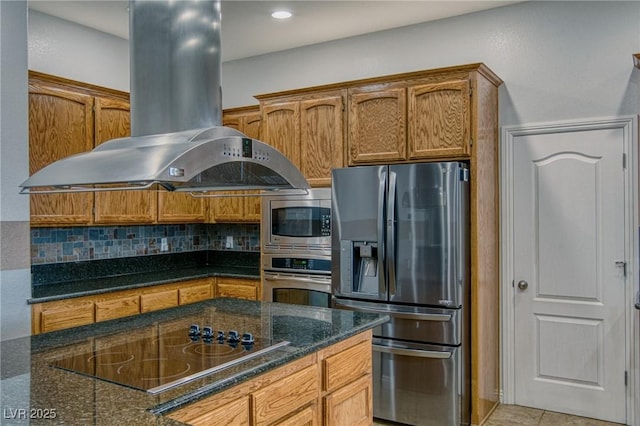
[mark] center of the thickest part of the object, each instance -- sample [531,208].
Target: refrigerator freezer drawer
[419,384]
[432,325]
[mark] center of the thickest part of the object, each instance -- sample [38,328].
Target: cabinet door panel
[236,290]
[439,120]
[377,128]
[321,139]
[281,129]
[227,209]
[73,315]
[350,405]
[112,120]
[60,125]
[195,292]
[179,207]
[308,416]
[158,300]
[285,396]
[117,308]
[346,366]
[232,413]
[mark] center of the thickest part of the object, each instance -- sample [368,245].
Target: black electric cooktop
[169,354]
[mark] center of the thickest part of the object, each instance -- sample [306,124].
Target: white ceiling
[248,29]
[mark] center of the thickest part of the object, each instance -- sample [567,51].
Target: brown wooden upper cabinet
[308,128]
[409,120]
[60,125]
[68,117]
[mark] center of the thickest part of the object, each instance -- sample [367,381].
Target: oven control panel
[298,263]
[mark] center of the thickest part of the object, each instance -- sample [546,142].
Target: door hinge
[622,264]
[624,161]
[626,378]
[470,91]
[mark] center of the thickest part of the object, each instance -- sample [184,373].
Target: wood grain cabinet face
[61,316]
[281,128]
[308,416]
[240,288]
[309,130]
[196,291]
[439,120]
[377,126]
[60,125]
[117,307]
[346,366]
[158,300]
[285,396]
[350,405]
[321,138]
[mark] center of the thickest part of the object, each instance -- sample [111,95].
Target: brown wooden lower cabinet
[74,312]
[298,393]
[241,288]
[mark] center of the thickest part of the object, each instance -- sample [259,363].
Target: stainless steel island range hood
[176,114]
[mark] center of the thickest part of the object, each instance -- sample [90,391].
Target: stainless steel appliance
[297,222]
[400,247]
[296,247]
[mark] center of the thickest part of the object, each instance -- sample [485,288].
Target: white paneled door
[569,272]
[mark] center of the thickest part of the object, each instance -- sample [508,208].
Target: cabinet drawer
[346,366]
[286,395]
[232,413]
[158,300]
[236,290]
[67,317]
[117,308]
[308,416]
[195,293]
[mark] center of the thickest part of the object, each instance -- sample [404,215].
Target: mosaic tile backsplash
[57,245]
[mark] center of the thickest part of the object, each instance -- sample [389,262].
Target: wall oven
[297,280]
[296,248]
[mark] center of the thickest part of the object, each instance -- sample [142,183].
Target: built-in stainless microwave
[297,221]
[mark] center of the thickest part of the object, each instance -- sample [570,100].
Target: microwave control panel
[325,225]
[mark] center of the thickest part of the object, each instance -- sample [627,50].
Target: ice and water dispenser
[360,269]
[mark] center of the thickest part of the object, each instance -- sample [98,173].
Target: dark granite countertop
[64,281]
[30,383]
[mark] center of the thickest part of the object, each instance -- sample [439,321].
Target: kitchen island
[52,378]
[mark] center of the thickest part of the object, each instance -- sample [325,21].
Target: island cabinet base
[330,387]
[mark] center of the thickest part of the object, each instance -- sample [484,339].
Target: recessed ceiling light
[281,14]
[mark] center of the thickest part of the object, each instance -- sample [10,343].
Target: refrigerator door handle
[391,233]
[412,352]
[396,314]
[382,287]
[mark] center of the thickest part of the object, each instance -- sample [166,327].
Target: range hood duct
[177,140]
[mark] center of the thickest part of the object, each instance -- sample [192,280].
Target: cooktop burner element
[167,356]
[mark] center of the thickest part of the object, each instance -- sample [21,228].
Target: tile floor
[514,415]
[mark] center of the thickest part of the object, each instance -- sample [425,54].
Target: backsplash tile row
[57,245]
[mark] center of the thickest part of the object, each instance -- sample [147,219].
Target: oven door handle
[294,278]
[396,314]
[412,352]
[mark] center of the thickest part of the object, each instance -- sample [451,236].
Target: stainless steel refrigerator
[400,238]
